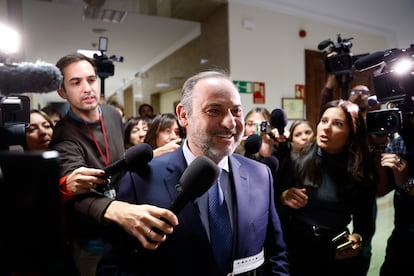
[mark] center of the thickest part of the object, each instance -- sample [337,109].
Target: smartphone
[341,241]
[264,127]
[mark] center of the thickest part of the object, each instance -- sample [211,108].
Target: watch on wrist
[408,186]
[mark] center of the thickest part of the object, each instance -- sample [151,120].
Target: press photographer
[339,61]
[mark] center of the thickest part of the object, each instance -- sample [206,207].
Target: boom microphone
[369,61]
[134,157]
[195,181]
[25,77]
[279,120]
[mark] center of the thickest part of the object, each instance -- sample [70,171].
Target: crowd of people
[293,218]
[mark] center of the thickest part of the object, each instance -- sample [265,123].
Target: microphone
[195,181]
[252,144]
[369,61]
[279,120]
[135,156]
[25,77]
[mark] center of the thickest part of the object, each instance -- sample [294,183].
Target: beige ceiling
[149,32]
[192,10]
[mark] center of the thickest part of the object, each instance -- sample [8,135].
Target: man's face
[146,112]
[359,95]
[81,86]
[215,126]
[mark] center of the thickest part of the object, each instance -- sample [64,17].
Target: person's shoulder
[109,109]
[247,161]
[65,125]
[166,158]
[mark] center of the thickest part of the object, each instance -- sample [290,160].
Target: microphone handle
[176,206]
[115,167]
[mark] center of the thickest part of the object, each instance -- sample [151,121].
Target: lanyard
[105,157]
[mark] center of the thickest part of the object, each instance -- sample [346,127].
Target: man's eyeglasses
[361,92]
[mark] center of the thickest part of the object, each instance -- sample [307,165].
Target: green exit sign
[244,86]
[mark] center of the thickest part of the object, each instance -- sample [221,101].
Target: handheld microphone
[369,61]
[252,144]
[135,156]
[279,120]
[25,77]
[195,181]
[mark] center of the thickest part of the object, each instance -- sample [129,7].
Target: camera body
[14,119]
[343,61]
[384,121]
[393,86]
[104,64]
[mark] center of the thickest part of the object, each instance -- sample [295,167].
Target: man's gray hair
[188,87]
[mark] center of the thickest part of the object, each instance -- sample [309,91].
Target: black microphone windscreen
[279,120]
[369,61]
[138,155]
[252,144]
[198,177]
[134,158]
[25,77]
[195,181]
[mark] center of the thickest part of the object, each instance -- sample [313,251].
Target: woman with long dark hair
[321,189]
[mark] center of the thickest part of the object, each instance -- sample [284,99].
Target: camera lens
[384,121]
[388,122]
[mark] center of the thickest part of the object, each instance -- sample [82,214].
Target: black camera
[105,66]
[14,119]
[393,84]
[343,61]
[384,121]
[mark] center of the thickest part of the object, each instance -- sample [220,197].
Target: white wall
[168,99]
[272,51]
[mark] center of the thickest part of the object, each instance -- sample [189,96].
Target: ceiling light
[105,15]
[10,40]
[162,85]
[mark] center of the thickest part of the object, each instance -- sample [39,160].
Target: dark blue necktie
[220,229]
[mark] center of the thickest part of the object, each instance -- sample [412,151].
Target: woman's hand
[294,198]
[352,250]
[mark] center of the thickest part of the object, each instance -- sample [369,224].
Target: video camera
[16,79]
[14,119]
[105,66]
[343,61]
[393,85]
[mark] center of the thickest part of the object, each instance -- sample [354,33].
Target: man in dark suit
[211,111]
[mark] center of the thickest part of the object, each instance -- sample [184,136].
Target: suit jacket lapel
[176,166]
[242,191]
